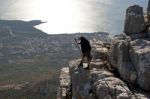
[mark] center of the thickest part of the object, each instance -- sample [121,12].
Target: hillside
[26,52]
[29,58]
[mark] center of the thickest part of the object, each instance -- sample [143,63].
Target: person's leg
[82,60]
[83,56]
[88,55]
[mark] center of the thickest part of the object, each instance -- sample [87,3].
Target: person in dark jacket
[86,51]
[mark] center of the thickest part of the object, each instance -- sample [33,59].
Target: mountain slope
[28,54]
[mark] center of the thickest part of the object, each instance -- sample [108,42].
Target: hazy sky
[68,16]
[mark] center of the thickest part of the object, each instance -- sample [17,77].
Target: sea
[71,16]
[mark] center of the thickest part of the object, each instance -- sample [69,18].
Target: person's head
[82,38]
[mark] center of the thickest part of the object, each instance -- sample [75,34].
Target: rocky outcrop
[149,33]
[131,58]
[100,49]
[95,84]
[102,81]
[140,56]
[80,79]
[148,10]
[119,58]
[130,53]
[63,91]
[119,70]
[134,22]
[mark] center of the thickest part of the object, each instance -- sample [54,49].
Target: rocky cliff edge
[119,70]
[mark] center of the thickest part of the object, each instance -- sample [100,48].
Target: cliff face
[119,70]
[100,82]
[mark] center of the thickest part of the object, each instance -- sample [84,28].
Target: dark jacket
[85,45]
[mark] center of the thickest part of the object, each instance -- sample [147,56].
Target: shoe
[81,64]
[87,68]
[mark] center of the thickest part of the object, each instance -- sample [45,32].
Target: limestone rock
[148,10]
[99,64]
[131,58]
[113,52]
[142,35]
[140,56]
[134,22]
[101,53]
[80,79]
[125,66]
[99,49]
[63,91]
[119,58]
[97,84]
[100,74]
[110,86]
[149,33]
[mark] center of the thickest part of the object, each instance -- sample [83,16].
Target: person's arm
[77,41]
[78,45]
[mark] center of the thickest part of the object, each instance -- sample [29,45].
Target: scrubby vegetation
[30,55]
[41,90]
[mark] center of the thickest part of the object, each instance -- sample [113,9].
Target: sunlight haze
[70,16]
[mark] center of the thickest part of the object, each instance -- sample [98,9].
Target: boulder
[99,49]
[101,53]
[78,83]
[97,74]
[119,58]
[134,22]
[107,86]
[148,10]
[112,87]
[140,56]
[97,64]
[143,35]
[149,33]
[80,78]
[113,51]
[132,60]
[125,67]
[95,84]
[100,64]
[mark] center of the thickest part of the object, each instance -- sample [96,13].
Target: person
[86,51]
